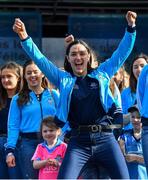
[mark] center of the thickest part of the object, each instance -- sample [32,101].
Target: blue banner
[10,48]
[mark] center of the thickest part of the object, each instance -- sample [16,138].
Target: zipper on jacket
[39,97]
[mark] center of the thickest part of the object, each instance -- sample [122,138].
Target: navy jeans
[5,172]
[145,145]
[27,148]
[99,148]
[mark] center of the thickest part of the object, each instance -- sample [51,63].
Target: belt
[3,135]
[98,128]
[34,135]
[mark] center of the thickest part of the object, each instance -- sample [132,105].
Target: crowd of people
[86,121]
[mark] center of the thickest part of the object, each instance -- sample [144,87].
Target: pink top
[43,152]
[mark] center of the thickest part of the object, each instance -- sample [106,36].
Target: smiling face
[78,58]
[50,134]
[138,66]
[135,120]
[33,76]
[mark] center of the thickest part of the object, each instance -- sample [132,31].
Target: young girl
[137,65]
[49,154]
[10,84]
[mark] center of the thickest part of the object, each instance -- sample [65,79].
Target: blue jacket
[142,92]
[64,81]
[27,118]
[128,99]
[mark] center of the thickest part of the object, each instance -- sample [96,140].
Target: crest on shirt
[50,100]
[76,86]
[59,158]
[93,85]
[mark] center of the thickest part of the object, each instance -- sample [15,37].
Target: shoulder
[63,145]
[40,146]
[55,92]
[15,97]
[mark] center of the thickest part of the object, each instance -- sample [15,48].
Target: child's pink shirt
[43,152]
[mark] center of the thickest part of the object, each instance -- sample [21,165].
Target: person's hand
[53,162]
[69,39]
[20,29]
[131,157]
[131,18]
[10,160]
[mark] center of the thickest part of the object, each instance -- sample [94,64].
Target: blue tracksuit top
[142,92]
[27,118]
[65,82]
[128,99]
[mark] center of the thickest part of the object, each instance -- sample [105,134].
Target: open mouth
[79,65]
[33,80]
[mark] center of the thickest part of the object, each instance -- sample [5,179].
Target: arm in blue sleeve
[111,65]
[141,86]
[52,72]
[13,124]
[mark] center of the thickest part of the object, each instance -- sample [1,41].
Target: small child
[49,154]
[131,146]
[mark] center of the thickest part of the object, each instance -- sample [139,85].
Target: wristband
[131,29]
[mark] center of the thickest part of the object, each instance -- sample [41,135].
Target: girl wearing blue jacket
[10,84]
[137,65]
[85,101]
[27,109]
[142,100]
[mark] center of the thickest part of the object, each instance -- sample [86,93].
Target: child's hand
[53,162]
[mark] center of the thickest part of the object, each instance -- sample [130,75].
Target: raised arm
[124,49]
[131,18]
[52,72]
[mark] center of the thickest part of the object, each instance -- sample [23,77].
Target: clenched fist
[131,18]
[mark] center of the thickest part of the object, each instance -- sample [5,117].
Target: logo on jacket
[76,86]
[93,85]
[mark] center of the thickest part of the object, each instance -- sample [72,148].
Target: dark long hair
[132,79]
[24,93]
[18,72]
[67,65]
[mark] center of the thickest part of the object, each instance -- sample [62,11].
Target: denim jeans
[145,145]
[92,171]
[5,172]
[27,148]
[99,148]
